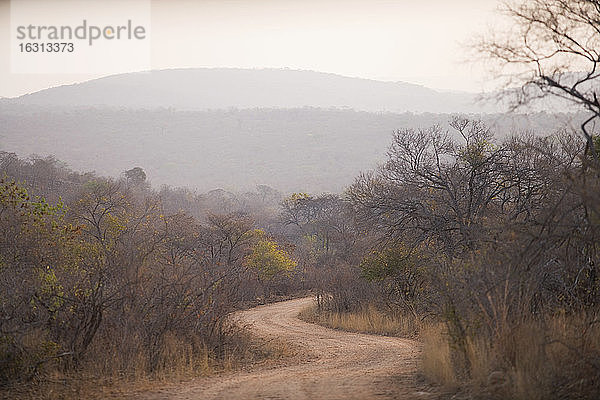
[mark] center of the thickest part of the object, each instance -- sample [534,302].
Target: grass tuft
[366,320]
[554,358]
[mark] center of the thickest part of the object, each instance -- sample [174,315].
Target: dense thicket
[498,239]
[115,277]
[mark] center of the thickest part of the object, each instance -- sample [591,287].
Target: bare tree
[552,48]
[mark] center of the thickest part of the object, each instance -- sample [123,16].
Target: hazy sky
[414,41]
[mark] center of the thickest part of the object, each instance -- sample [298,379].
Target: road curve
[338,365]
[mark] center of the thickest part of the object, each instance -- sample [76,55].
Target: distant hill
[222,88]
[303,149]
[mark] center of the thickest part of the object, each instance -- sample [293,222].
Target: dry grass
[119,369]
[533,361]
[437,356]
[367,320]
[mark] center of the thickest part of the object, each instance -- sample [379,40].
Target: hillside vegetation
[306,149]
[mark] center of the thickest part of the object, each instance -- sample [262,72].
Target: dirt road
[338,365]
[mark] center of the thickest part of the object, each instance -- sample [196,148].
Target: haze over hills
[303,149]
[234,128]
[222,88]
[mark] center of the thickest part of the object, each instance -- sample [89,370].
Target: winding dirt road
[334,364]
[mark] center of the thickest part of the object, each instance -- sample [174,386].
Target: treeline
[489,247]
[113,279]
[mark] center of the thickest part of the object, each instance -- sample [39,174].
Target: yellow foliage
[269,260]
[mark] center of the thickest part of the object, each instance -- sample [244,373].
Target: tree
[34,247]
[321,219]
[435,188]
[135,176]
[554,49]
[268,260]
[401,275]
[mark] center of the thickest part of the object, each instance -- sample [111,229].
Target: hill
[304,149]
[222,88]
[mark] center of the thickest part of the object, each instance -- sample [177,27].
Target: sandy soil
[333,364]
